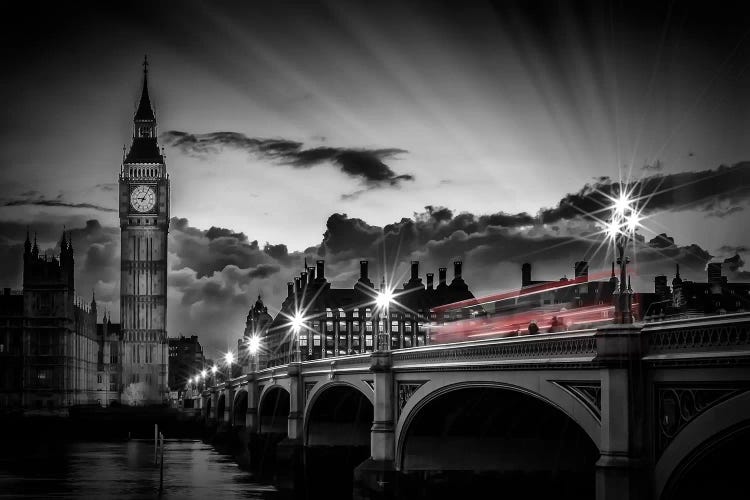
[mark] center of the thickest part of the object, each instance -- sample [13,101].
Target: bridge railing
[720,336]
[562,347]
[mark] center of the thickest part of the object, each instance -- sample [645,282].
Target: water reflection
[192,469]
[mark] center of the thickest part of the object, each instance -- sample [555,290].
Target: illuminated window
[342,326]
[316,340]
[394,326]
[368,326]
[368,340]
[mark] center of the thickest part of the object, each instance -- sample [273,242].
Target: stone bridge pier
[658,411]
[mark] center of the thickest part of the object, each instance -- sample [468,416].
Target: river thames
[192,469]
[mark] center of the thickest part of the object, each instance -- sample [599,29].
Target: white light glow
[297,322]
[253,344]
[384,298]
[229,358]
[203,373]
[622,204]
[633,221]
[214,369]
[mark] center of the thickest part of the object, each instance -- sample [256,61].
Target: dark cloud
[688,190]
[40,201]
[365,164]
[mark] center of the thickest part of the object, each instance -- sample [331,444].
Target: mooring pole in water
[161,466]
[156,442]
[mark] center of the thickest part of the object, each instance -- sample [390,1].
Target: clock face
[143,198]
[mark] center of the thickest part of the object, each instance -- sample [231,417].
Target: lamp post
[297,322]
[253,347]
[620,228]
[229,359]
[383,301]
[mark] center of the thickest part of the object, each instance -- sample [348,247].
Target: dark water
[192,469]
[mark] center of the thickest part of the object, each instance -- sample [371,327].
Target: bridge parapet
[716,338]
[569,347]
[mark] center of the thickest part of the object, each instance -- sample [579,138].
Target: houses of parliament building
[53,352]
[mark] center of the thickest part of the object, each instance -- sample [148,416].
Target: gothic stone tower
[144,222]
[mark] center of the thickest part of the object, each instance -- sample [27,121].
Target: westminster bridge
[656,410]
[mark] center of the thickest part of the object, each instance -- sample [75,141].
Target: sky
[391,131]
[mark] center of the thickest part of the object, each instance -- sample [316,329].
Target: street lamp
[297,322]
[253,347]
[620,228]
[229,359]
[383,301]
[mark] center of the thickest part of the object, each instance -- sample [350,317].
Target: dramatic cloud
[215,274]
[37,200]
[716,192]
[365,164]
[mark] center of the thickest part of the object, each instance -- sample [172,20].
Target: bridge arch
[336,437]
[718,431]
[273,410]
[545,391]
[488,433]
[239,408]
[347,402]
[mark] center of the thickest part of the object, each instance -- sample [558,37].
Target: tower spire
[145,112]
[63,245]
[27,243]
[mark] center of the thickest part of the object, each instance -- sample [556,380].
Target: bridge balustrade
[649,397]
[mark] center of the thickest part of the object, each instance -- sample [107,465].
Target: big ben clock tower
[144,222]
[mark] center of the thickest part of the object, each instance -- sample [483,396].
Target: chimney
[320,273]
[526,274]
[430,278]
[442,272]
[457,269]
[581,269]
[414,270]
[310,274]
[660,286]
[714,273]
[289,288]
[363,270]
[297,288]
[303,279]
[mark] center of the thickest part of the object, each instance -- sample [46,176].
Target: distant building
[257,324]
[109,362]
[49,345]
[689,298]
[339,321]
[585,293]
[186,360]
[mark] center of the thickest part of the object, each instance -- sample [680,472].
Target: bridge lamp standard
[620,229]
[253,348]
[297,322]
[383,301]
[228,360]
